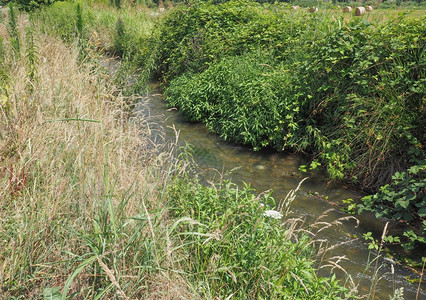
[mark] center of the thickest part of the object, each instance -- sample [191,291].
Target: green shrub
[351,94]
[243,99]
[362,88]
[28,5]
[352,99]
[196,36]
[403,199]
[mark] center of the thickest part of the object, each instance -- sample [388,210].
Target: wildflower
[273,214]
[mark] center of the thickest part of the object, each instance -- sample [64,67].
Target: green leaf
[52,294]
[303,168]
[80,268]
[422,212]
[403,204]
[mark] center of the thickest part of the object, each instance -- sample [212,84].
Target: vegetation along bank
[347,92]
[350,94]
[89,209]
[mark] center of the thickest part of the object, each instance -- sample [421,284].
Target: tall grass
[77,181]
[125,33]
[238,247]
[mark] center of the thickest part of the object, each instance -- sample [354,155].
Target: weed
[32,55]
[13,29]
[76,187]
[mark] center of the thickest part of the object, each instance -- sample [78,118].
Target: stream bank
[279,172]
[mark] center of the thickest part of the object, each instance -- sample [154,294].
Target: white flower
[273,214]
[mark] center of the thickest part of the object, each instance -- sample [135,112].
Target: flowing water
[279,172]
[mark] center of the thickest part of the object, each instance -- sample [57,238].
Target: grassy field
[71,174]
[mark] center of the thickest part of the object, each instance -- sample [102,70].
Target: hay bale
[313,9]
[347,9]
[369,8]
[297,7]
[359,11]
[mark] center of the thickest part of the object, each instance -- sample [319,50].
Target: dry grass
[73,167]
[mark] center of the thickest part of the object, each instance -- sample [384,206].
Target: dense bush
[359,88]
[32,4]
[241,99]
[363,89]
[193,37]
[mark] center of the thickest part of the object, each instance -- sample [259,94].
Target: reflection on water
[279,172]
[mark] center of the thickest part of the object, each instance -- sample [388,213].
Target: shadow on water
[279,172]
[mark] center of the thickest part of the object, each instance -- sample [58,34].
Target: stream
[279,172]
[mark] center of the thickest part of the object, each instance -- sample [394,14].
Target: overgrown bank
[89,209]
[349,94]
